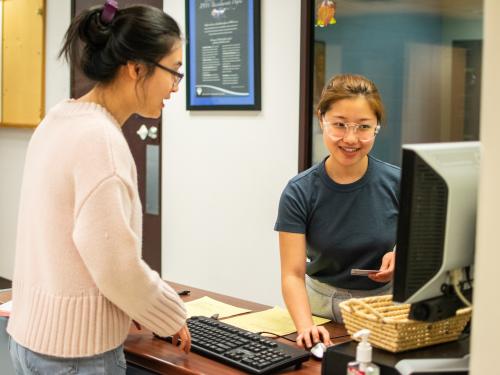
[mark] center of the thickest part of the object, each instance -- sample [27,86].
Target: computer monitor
[436,225]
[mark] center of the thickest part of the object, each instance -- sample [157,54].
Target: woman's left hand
[386,270]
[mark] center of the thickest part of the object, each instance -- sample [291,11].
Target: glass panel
[153,179]
[425,58]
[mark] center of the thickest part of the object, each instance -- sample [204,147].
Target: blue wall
[374,46]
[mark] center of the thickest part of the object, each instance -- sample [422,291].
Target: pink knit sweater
[79,277]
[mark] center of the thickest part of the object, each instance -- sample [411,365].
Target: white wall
[223,173]
[13,142]
[485,325]
[56,70]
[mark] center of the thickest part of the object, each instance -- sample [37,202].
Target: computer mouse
[318,350]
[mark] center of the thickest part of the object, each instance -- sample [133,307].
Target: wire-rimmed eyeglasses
[339,130]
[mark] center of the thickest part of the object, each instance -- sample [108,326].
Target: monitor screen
[437,217]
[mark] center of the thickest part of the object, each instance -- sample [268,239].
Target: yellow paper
[207,306]
[276,320]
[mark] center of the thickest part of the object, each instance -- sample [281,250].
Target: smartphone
[360,272]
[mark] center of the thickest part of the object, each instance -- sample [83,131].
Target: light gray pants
[324,299]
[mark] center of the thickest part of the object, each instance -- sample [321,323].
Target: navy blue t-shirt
[346,225]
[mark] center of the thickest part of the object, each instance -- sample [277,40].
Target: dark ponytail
[139,33]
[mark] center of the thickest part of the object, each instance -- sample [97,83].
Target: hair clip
[109,11]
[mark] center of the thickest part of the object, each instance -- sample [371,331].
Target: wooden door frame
[306,83]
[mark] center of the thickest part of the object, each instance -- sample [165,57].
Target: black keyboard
[242,349]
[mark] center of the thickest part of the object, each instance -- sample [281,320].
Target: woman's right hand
[310,336]
[183,339]
[293,269]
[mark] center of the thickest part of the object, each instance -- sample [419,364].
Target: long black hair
[138,33]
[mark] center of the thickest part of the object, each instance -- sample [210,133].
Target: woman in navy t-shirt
[340,214]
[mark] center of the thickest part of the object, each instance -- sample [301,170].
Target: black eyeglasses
[177,76]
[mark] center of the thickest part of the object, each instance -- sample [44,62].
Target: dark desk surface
[142,349]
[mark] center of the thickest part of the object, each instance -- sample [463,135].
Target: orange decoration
[326,13]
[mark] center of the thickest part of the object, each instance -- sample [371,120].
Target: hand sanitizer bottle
[363,365]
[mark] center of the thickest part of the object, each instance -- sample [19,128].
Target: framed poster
[223,54]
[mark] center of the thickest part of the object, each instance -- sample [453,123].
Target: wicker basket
[392,330]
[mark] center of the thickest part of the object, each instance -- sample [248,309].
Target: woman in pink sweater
[79,278]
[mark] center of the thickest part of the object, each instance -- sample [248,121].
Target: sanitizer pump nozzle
[363,365]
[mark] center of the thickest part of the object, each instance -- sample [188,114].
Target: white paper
[6,307]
